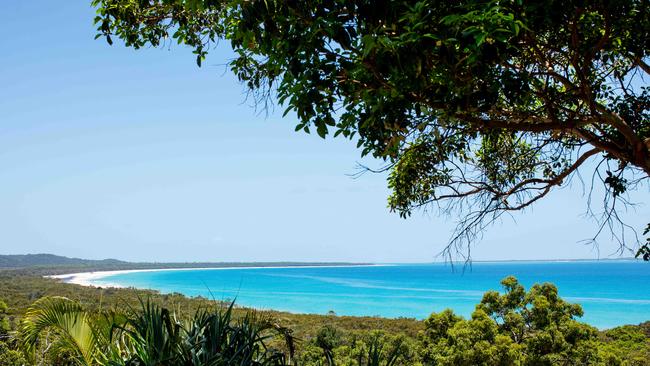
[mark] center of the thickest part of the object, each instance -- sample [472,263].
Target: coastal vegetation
[478,108]
[55,264]
[48,322]
[474,108]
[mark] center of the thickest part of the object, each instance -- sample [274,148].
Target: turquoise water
[611,292]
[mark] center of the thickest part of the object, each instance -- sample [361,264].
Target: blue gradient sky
[141,155]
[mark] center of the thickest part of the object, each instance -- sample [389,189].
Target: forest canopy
[478,108]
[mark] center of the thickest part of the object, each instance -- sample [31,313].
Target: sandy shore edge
[87,278]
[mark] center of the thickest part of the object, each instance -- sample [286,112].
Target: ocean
[611,293]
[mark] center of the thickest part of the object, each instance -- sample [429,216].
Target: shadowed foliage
[479,108]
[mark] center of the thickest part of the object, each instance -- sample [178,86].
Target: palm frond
[71,323]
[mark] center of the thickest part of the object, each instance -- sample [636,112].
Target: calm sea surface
[611,292]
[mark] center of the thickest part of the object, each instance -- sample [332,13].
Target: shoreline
[90,278]
[86,278]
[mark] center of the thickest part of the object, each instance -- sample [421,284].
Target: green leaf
[321,129]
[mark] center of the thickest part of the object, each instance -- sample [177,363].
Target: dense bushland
[132,327]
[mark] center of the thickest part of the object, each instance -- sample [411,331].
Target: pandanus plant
[66,327]
[152,336]
[214,338]
[149,336]
[379,356]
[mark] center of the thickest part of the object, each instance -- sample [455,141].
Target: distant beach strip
[90,278]
[612,293]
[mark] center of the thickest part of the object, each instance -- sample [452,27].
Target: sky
[109,152]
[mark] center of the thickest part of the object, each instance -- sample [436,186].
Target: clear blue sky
[141,155]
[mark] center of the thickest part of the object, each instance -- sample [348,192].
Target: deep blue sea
[611,292]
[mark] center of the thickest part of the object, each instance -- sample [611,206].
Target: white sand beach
[87,278]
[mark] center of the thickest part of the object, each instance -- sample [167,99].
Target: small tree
[328,338]
[517,328]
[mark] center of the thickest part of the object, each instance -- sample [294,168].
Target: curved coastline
[353,292]
[86,278]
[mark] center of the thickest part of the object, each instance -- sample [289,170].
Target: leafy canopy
[478,107]
[515,328]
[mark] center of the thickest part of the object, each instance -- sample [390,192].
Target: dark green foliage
[644,250]
[50,260]
[373,348]
[11,357]
[514,328]
[482,106]
[451,340]
[215,338]
[627,344]
[8,356]
[152,337]
[328,338]
[4,320]
[383,353]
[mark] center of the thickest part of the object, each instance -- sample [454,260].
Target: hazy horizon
[439,260]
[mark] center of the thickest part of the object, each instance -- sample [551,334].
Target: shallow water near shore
[611,293]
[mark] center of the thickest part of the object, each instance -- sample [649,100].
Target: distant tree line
[55,264]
